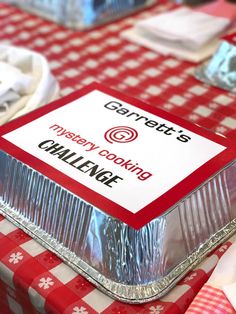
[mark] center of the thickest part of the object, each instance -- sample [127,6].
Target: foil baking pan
[134,255]
[78,14]
[220,70]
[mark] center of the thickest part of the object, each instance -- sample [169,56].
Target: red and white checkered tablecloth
[210,300]
[32,279]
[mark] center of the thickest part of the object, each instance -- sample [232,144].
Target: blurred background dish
[220,70]
[81,14]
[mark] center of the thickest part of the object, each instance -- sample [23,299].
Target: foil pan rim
[135,294]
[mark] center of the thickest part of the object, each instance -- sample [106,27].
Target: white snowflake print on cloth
[79,310]
[223,248]
[45,283]
[15,258]
[156,309]
[190,277]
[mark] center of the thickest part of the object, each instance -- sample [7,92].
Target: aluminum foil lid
[220,70]
[132,161]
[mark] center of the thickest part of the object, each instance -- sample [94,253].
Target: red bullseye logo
[121,134]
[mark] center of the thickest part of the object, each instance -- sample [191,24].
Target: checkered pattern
[78,58]
[33,280]
[210,300]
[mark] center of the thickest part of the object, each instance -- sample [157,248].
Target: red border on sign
[152,210]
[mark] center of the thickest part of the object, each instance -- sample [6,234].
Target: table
[32,279]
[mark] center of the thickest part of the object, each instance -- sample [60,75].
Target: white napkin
[183,32]
[25,82]
[185,27]
[13,84]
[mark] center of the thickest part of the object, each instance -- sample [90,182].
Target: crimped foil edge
[126,293]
